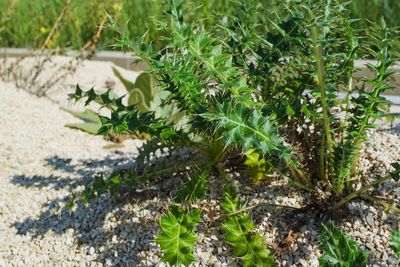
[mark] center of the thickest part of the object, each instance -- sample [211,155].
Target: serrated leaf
[177,237]
[114,180]
[91,96]
[249,128]
[77,95]
[106,98]
[119,123]
[396,173]
[194,188]
[87,194]
[239,234]
[339,249]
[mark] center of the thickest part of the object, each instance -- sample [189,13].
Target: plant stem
[56,25]
[386,203]
[327,141]
[359,192]
[262,204]
[294,182]
[172,168]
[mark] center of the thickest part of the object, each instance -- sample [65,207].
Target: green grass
[374,9]
[26,23]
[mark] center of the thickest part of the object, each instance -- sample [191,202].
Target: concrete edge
[130,62]
[124,60]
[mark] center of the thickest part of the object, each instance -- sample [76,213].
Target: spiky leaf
[396,173]
[248,128]
[339,250]
[194,188]
[395,242]
[177,235]
[256,166]
[239,234]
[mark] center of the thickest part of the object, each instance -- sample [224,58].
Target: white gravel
[41,162]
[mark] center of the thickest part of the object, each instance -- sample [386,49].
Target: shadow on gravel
[114,231]
[83,169]
[395,129]
[40,181]
[120,228]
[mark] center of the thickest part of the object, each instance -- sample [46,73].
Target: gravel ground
[41,162]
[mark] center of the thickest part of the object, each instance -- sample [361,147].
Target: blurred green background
[27,23]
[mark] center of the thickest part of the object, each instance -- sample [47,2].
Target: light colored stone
[370,219]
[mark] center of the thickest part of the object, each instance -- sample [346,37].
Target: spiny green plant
[148,96]
[193,189]
[257,91]
[339,250]
[239,230]
[177,236]
[143,93]
[91,121]
[395,242]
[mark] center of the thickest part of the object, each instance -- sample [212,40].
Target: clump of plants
[277,92]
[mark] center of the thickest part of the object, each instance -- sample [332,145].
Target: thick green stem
[326,143]
[386,203]
[359,192]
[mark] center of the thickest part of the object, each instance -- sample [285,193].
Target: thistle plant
[262,90]
[339,249]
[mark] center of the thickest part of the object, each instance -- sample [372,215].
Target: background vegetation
[27,23]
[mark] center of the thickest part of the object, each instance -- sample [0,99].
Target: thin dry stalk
[70,67]
[23,80]
[43,56]
[40,65]
[56,25]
